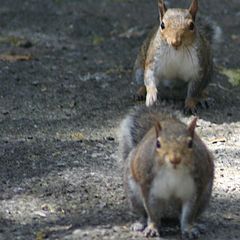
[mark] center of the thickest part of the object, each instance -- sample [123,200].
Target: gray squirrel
[176,55]
[168,170]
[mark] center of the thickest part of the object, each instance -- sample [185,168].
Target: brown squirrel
[168,171]
[177,56]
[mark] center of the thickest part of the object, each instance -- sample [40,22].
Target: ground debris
[132,32]
[14,58]
[216,140]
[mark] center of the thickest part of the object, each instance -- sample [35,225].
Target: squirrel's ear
[193,8]
[158,128]
[162,8]
[192,126]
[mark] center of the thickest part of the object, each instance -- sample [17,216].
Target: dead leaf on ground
[236,38]
[97,40]
[40,213]
[233,75]
[59,228]
[228,216]
[40,235]
[16,41]
[216,140]
[73,136]
[132,32]
[15,58]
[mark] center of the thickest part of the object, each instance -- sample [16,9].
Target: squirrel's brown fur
[175,55]
[167,169]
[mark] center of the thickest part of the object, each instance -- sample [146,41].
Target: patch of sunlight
[232,74]
[24,208]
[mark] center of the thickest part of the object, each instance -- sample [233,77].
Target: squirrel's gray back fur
[135,125]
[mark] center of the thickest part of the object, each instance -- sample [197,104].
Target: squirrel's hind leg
[154,208]
[134,195]
[141,92]
[194,102]
[189,228]
[138,75]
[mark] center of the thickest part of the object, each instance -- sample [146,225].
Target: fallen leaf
[236,38]
[16,41]
[59,228]
[97,40]
[228,216]
[47,208]
[43,89]
[40,235]
[73,136]
[76,136]
[14,58]
[216,140]
[40,213]
[132,32]
[232,74]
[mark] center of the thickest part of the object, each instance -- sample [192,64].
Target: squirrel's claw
[206,103]
[191,106]
[190,111]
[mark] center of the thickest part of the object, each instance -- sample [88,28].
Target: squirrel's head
[174,145]
[177,26]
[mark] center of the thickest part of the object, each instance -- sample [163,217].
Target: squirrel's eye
[158,144]
[162,25]
[191,26]
[190,143]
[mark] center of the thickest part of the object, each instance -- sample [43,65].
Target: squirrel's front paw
[151,231]
[151,97]
[194,232]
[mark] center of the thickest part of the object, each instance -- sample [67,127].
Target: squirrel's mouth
[174,162]
[176,46]
[175,43]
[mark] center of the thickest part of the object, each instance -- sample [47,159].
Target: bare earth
[65,84]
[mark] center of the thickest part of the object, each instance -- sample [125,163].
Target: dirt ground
[65,84]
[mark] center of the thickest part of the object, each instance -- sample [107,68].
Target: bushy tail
[125,137]
[211,30]
[134,126]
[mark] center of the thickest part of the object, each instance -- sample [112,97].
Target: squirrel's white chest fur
[172,64]
[173,183]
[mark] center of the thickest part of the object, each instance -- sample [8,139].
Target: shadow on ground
[66,82]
